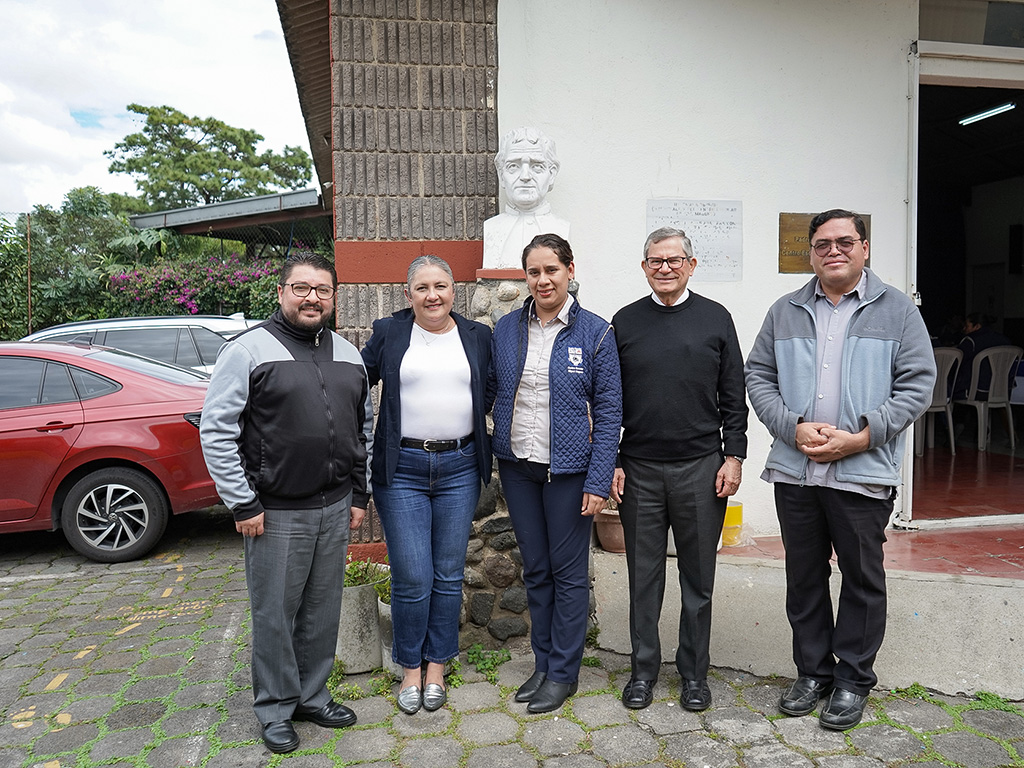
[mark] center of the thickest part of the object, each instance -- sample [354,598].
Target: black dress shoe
[529,689]
[696,696]
[330,715]
[280,736]
[638,694]
[843,709]
[550,696]
[801,698]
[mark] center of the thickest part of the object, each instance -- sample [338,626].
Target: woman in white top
[431,451]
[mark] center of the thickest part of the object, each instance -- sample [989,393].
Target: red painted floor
[948,487]
[981,551]
[969,484]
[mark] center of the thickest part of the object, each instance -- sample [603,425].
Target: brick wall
[415,124]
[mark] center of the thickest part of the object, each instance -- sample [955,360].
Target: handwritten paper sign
[715,227]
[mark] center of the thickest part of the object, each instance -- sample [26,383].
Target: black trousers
[814,521]
[680,495]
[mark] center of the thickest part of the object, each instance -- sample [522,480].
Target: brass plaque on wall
[794,248]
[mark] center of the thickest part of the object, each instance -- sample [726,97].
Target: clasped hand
[821,442]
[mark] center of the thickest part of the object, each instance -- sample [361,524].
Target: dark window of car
[91,384]
[187,356]
[57,386]
[209,343]
[20,381]
[165,371]
[86,336]
[161,343]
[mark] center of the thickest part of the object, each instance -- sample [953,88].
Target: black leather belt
[437,445]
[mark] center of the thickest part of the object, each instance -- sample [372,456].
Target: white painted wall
[787,105]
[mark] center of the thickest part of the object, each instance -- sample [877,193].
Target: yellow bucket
[733,527]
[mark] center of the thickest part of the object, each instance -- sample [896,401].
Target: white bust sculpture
[527,166]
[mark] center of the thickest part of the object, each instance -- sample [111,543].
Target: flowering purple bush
[212,285]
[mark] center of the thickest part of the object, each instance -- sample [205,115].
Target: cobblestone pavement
[146,664]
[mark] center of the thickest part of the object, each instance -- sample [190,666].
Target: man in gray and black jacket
[286,432]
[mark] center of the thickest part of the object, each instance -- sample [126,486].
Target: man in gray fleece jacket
[838,372]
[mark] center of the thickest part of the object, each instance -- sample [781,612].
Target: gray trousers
[681,495]
[295,571]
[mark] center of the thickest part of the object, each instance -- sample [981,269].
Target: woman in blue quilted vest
[557,411]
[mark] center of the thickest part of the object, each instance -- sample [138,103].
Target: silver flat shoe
[410,699]
[434,697]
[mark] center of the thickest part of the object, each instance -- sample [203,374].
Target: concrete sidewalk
[950,633]
[146,664]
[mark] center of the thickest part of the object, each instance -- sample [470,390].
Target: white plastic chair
[947,363]
[1002,360]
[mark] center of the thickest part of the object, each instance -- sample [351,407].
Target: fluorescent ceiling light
[988,113]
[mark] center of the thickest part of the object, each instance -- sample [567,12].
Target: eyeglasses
[302,290]
[674,262]
[844,244]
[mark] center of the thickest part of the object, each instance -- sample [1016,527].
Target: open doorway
[970,197]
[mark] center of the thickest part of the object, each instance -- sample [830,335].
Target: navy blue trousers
[554,540]
[814,521]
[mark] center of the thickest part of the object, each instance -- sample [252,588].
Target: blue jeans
[427,512]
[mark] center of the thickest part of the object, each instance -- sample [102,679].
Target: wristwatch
[738,458]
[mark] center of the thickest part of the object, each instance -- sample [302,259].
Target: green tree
[13,283]
[180,161]
[72,255]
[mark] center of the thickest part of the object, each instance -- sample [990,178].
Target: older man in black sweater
[684,441]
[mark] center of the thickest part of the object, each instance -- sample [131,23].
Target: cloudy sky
[69,68]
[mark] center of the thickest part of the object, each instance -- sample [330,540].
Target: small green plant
[986,700]
[487,662]
[380,683]
[591,661]
[360,572]
[335,679]
[454,677]
[592,634]
[913,691]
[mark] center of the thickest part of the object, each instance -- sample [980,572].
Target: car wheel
[114,515]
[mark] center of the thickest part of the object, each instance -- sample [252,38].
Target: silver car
[191,341]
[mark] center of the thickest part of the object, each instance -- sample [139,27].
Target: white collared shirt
[684,297]
[531,416]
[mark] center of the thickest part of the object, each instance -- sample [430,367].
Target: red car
[99,442]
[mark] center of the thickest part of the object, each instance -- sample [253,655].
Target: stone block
[448,45]
[481,606]
[624,744]
[448,164]
[806,734]
[971,750]
[514,599]
[487,727]
[508,626]
[391,48]
[502,756]
[773,756]
[558,736]
[391,86]
[495,525]
[503,541]
[917,714]
[887,743]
